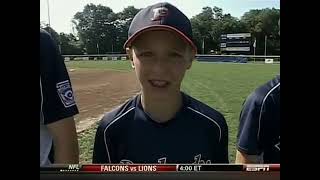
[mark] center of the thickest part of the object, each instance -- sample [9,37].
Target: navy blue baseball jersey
[197,134]
[56,95]
[259,129]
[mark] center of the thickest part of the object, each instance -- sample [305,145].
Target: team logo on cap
[159,13]
[65,93]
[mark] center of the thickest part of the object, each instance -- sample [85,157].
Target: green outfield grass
[223,86]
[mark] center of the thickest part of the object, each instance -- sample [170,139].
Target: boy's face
[160,59]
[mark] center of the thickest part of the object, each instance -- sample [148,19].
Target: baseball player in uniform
[161,124]
[58,137]
[259,129]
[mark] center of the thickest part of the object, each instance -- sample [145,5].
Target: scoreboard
[239,43]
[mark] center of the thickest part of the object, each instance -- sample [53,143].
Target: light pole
[203,45]
[48,12]
[112,47]
[98,48]
[254,49]
[88,45]
[265,46]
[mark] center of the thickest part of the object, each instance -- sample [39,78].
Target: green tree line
[99,30]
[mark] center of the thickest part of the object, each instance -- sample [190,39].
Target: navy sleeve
[247,137]
[223,148]
[103,150]
[107,148]
[56,94]
[100,154]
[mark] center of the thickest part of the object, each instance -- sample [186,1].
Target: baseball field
[100,86]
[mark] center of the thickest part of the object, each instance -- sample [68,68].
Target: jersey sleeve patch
[65,93]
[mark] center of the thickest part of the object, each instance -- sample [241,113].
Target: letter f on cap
[158,13]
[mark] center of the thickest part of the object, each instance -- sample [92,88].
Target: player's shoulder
[45,36]
[47,44]
[118,115]
[267,90]
[44,33]
[207,112]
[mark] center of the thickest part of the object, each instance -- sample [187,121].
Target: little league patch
[65,93]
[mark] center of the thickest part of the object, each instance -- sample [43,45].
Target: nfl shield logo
[65,93]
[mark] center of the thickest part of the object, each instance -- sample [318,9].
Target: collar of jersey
[139,107]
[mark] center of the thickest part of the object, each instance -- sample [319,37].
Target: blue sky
[62,11]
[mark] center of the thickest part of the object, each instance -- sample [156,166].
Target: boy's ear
[129,53]
[192,57]
[132,64]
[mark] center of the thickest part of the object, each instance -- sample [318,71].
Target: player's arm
[65,141]
[58,106]
[248,145]
[243,158]
[266,126]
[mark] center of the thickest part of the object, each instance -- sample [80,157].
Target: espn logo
[257,167]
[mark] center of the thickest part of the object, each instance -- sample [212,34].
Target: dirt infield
[99,91]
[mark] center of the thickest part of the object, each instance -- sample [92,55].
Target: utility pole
[48,12]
